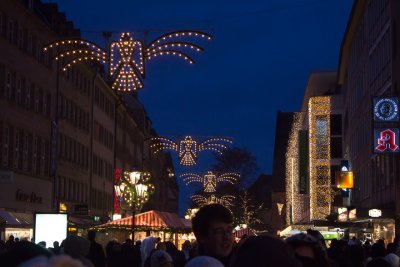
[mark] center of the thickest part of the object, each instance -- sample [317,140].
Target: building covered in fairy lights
[314,152]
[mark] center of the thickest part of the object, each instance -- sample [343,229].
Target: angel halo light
[188,147]
[126,58]
[210,180]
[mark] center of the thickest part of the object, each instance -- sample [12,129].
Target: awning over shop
[81,222]
[16,219]
[149,220]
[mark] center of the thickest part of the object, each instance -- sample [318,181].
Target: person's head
[56,244]
[91,236]
[186,245]
[308,247]
[213,225]
[161,258]
[161,246]
[204,261]
[11,238]
[42,243]
[260,251]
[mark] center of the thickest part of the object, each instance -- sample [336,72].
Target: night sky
[257,63]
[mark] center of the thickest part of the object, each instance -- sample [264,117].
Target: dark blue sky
[257,63]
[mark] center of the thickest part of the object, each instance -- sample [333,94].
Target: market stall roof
[244,231]
[16,219]
[149,220]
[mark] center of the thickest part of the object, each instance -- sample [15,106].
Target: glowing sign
[343,215]
[386,140]
[375,213]
[386,109]
[345,179]
[353,214]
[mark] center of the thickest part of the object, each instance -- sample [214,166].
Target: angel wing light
[188,148]
[126,58]
[210,180]
[226,200]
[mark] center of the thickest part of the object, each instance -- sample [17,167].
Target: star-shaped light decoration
[210,179]
[188,148]
[126,58]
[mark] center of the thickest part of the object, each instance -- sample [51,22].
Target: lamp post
[133,190]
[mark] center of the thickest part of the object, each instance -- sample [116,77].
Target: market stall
[168,226]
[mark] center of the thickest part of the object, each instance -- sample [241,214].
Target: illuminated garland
[188,148]
[319,110]
[226,200]
[126,58]
[210,180]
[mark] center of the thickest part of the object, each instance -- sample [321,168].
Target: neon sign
[386,140]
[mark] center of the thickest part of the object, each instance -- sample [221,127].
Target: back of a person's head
[378,262]
[208,214]
[260,251]
[204,261]
[76,246]
[378,250]
[160,258]
[300,240]
[91,235]
[21,252]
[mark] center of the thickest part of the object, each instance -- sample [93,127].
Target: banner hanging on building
[303,162]
[386,140]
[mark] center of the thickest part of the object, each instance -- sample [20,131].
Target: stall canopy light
[345,180]
[375,213]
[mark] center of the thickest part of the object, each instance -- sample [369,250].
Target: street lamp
[133,190]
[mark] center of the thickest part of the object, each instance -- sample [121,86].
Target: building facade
[64,134]
[369,67]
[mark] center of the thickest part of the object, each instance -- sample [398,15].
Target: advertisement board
[50,227]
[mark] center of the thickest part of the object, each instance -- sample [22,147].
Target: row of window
[380,58]
[101,134]
[70,190]
[103,102]
[73,151]
[102,168]
[19,90]
[378,14]
[23,150]
[20,36]
[79,80]
[67,109]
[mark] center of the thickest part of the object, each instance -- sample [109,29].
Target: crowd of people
[214,247]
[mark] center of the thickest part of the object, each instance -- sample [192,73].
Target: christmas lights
[319,110]
[226,200]
[126,58]
[210,180]
[188,148]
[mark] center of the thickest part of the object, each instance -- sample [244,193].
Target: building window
[25,152]
[34,154]
[16,148]
[11,26]
[8,84]
[6,142]
[2,24]
[19,91]
[28,96]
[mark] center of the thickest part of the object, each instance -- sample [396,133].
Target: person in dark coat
[96,253]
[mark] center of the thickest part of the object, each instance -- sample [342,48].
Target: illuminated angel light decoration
[226,200]
[188,148]
[210,179]
[126,58]
[319,110]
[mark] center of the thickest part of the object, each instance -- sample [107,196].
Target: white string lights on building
[319,110]
[210,180]
[226,200]
[126,58]
[293,205]
[188,148]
